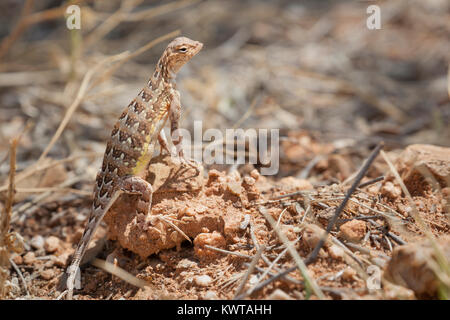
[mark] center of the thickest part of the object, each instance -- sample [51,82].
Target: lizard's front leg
[165,145]
[174,116]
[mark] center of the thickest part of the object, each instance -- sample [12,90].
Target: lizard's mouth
[199,47]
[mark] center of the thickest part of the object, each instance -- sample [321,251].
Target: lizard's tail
[73,269]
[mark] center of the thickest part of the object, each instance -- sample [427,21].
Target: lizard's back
[130,147]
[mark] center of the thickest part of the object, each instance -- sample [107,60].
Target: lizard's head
[180,51]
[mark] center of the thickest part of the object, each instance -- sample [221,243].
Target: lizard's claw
[191,163]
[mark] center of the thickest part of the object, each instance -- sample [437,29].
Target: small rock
[51,244]
[201,209]
[349,274]
[249,181]
[279,294]
[210,295]
[49,263]
[312,235]
[390,190]
[324,216]
[353,230]
[253,280]
[203,281]
[336,252]
[17,258]
[234,187]
[61,260]
[37,242]
[255,174]
[47,274]
[186,264]
[29,258]
[289,231]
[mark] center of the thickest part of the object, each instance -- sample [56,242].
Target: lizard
[132,142]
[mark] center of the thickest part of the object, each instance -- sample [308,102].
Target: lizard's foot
[138,186]
[189,162]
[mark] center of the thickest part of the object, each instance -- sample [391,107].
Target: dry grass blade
[228,252]
[80,95]
[19,273]
[36,168]
[309,282]
[311,258]
[249,271]
[5,220]
[54,189]
[267,271]
[17,213]
[361,173]
[161,218]
[370,182]
[119,272]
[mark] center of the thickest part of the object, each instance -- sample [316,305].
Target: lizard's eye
[182,49]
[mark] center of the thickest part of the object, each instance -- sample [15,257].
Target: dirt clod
[214,239]
[47,274]
[203,280]
[37,242]
[312,235]
[353,230]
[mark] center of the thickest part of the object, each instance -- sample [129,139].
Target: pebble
[234,188]
[61,260]
[210,295]
[51,244]
[391,191]
[349,274]
[47,274]
[279,294]
[336,252]
[214,239]
[254,174]
[312,235]
[37,242]
[249,180]
[29,258]
[203,281]
[353,230]
[186,264]
[17,258]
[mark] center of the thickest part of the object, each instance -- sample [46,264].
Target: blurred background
[310,68]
